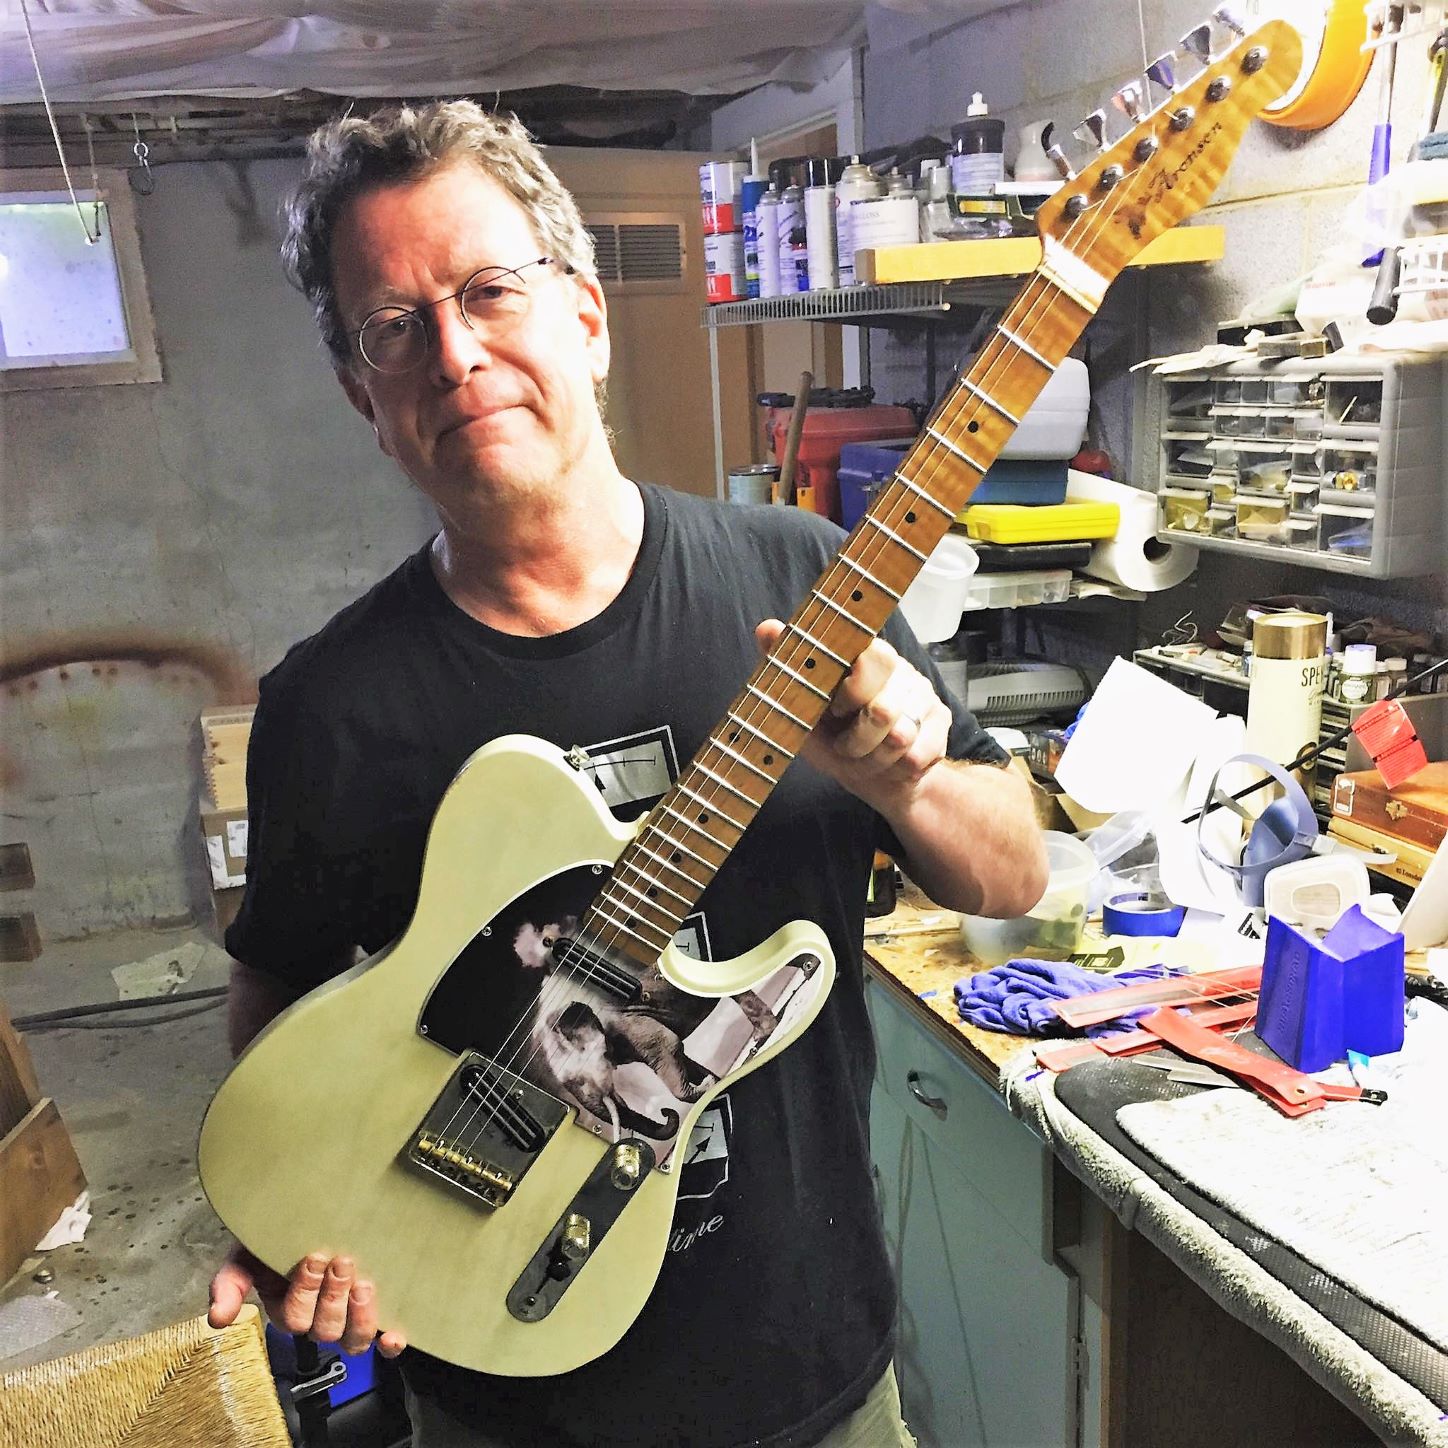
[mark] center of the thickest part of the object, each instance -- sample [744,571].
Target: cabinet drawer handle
[938,1104]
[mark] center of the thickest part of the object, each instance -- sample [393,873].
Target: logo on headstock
[1165,180]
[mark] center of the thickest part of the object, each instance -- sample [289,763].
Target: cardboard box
[225,904]
[224,832]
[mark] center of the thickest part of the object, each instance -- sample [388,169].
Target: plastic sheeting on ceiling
[99,50]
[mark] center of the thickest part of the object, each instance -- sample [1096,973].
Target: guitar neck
[689,833]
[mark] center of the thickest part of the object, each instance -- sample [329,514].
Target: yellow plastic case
[1050,523]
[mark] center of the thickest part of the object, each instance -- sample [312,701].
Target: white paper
[71,1226]
[1425,921]
[161,974]
[1135,743]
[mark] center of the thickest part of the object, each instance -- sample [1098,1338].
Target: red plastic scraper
[1291,1092]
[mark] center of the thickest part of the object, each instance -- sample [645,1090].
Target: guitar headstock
[1182,137]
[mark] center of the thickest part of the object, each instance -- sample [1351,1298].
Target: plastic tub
[932,605]
[1017,590]
[1051,929]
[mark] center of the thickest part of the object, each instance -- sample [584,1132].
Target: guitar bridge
[484,1131]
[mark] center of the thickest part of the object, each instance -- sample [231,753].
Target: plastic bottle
[1359,671]
[857,183]
[751,191]
[1032,162]
[819,224]
[978,159]
[767,240]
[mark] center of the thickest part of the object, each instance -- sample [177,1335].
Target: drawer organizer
[1337,462]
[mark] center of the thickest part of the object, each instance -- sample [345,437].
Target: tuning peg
[1198,43]
[1162,72]
[1128,101]
[1058,159]
[1092,131]
[1230,19]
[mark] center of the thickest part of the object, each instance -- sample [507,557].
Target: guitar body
[312,1143]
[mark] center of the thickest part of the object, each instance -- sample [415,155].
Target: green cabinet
[988,1317]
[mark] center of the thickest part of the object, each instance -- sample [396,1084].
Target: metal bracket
[331,1370]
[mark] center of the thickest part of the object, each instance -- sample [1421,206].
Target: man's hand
[885,727]
[326,1300]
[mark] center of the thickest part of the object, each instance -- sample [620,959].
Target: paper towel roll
[1135,557]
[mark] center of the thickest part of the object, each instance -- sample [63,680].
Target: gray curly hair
[403,143]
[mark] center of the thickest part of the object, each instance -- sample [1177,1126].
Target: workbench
[1052,1291]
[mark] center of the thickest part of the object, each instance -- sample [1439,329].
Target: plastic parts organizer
[1336,463]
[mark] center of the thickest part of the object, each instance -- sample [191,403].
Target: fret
[699,829]
[814,643]
[777,706]
[759,733]
[895,537]
[955,448]
[928,496]
[668,864]
[653,884]
[989,401]
[619,925]
[606,899]
[1025,347]
[800,678]
[841,609]
[680,845]
[720,780]
[740,759]
[864,573]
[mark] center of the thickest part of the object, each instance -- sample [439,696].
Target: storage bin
[1346,532]
[1059,523]
[1018,590]
[826,431]
[1051,929]
[1184,510]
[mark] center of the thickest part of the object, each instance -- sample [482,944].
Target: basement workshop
[723,725]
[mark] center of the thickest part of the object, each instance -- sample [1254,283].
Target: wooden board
[19,1090]
[39,1176]
[943,261]
[225,783]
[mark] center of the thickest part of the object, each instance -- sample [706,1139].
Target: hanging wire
[142,153]
[54,129]
[90,147]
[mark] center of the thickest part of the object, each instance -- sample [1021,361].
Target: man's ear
[593,313]
[361,399]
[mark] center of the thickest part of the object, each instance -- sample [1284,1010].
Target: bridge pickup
[484,1131]
[597,970]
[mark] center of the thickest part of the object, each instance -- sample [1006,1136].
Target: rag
[1019,997]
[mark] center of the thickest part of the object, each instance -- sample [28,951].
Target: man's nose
[457,347]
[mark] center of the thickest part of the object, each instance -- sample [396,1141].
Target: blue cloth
[1019,997]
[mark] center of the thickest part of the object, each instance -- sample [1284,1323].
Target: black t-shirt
[774,1310]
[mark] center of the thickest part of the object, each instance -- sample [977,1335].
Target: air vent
[639,253]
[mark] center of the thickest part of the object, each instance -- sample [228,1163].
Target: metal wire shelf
[865,305]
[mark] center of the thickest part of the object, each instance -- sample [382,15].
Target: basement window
[73,313]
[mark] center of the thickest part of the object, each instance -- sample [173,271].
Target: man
[453,282]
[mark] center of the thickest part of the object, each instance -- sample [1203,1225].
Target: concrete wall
[162,546]
[1283,203]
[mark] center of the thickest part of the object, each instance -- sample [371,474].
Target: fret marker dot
[703,818]
[734,735]
[769,759]
[653,892]
[972,427]
[910,517]
[675,857]
[809,663]
[856,596]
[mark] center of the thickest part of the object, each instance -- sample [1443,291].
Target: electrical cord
[53,1019]
[123,1025]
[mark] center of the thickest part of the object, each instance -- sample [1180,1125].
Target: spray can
[978,159]
[793,243]
[766,222]
[750,190]
[856,183]
[819,225]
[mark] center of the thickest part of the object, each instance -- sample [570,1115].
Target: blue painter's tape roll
[1130,914]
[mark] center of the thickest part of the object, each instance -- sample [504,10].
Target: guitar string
[936,455]
[936,459]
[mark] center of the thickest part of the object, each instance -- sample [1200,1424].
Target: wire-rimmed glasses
[493,300]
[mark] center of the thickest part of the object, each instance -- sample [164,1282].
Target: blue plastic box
[1322,999]
[865,465]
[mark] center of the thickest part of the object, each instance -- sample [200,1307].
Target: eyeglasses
[493,300]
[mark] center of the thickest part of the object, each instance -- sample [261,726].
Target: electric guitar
[535,1166]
